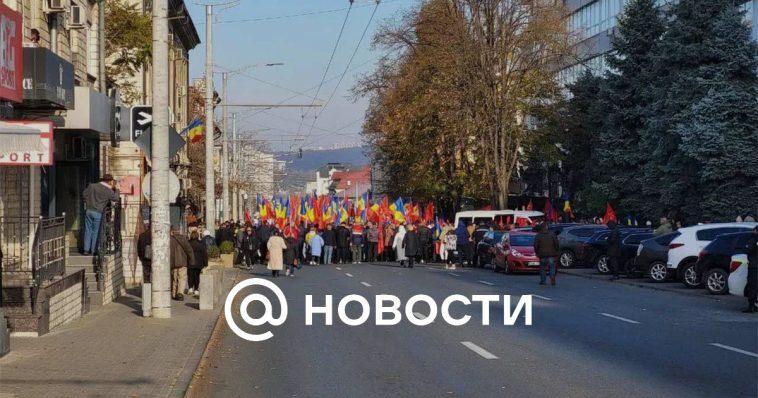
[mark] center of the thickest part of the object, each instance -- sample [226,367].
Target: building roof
[343,180]
[182,24]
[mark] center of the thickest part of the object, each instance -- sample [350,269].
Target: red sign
[32,158]
[11,55]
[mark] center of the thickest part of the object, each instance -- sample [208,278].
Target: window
[522,240]
[711,233]
[582,232]
[664,240]
[636,238]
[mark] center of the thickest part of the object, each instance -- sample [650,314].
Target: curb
[642,285]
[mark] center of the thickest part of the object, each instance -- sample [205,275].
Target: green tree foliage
[721,135]
[128,44]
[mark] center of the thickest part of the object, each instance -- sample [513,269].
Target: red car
[515,253]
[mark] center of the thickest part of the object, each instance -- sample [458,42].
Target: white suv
[684,249]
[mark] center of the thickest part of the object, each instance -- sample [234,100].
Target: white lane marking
[541,297]
[365,284]
[419,315]
[339,268]
[734,349]
[619,318]
[348,275]
[487,283]
[479,350]
[452,274]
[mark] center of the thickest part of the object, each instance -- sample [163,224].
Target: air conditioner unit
[56,5]
[76,19]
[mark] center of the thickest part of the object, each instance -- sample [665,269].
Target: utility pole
[210,181]
[160,220]
[224,149]
[235,159]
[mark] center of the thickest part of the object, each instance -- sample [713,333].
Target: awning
[19,138]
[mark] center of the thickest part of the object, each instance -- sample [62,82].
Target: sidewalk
[113,351]
[671,286]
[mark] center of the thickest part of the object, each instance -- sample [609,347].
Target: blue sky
[256,32]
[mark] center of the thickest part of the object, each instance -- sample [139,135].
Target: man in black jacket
[546,248]
[411,245]
[263,233]
[751,288]
[614,249]
[145,252]
[424,239]
[343,243]
[330,242]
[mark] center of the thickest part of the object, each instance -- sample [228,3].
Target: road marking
[452,274]
[365,284]
[487,283]
[726,347]
[542,297]
[619,318]
[479,350]
[419,316]
[348,275]
[339,268]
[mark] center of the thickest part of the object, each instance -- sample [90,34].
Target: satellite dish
[173,186]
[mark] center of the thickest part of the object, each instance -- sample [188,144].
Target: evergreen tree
[721,137]
[627,95]
[683,61]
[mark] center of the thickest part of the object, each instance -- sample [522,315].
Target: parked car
[652,255]
[515,253]
[570,240]
[496,217]
[738,275]
[714,260]
[684,249]
[485,247]
[630,242]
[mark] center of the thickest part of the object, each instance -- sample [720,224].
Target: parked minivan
[495,217]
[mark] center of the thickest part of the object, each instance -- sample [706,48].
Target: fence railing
[109,240]
[34,245]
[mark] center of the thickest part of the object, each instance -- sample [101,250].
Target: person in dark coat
[248,247]
[411,245]
[751,288]
[264,234]
[614,249]
[181,256]
[290,253]
[462,236]
[144,252]
[343,243]
[425,242]
[200,250]
[330,242]
[546,248]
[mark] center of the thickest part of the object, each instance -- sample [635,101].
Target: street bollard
[208,289]
[147,300]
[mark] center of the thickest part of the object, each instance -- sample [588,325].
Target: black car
[652,255]
[486,244]
[571,239]
[713,261]
[595,249]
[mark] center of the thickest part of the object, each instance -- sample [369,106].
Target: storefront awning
[19,138]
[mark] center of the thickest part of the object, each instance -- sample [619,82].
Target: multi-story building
[594,22]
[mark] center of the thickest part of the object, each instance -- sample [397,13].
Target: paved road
[589,338]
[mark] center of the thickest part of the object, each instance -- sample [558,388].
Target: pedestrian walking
[411,245]
[547,250]
[447,249]
[343,243]
[372,236]
[462,239]
[397,244]
[425,240]
[356,242]
[330,242]
[145,253]
[208,238]
[751,287]
[264,234]
[200,251]
[307,247]
[613,249]
[275,249]
[248,247]
[181,256]
[664,227]
[317,246]
[290,253]
[96,197]
[389,240]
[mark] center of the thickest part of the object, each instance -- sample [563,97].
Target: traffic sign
[173,186]
[141,120]
[175,142]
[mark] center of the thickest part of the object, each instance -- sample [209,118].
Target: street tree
[128,46]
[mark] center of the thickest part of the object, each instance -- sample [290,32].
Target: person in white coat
[397,244]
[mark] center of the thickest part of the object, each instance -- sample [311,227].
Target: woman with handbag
[276,247]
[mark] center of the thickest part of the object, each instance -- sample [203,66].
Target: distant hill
[313,159]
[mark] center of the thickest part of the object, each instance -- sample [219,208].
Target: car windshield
[522,240]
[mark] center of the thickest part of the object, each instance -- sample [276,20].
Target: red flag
[248,219]
[548,210]
[609,214]
[380,245]
[529,206]
[429,213]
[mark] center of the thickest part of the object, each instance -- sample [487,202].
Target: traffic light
[300,153]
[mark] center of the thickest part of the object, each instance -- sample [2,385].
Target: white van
[490,217]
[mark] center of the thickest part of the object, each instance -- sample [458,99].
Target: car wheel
[689,275]
[716,281]
[602,265]
[658,272]
[567,259]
